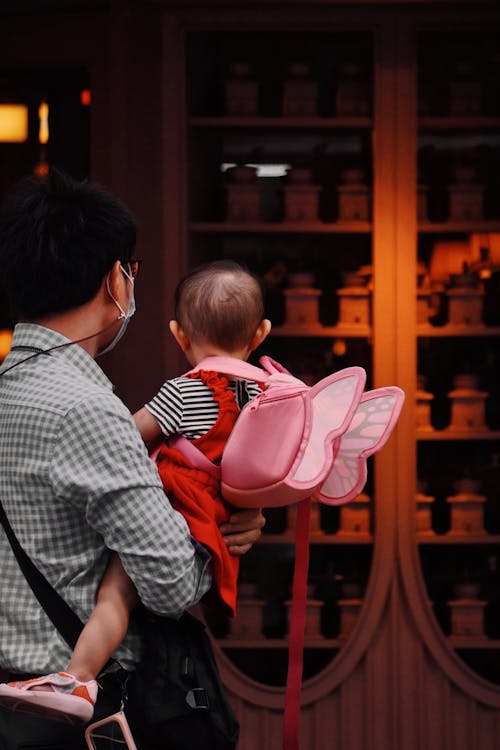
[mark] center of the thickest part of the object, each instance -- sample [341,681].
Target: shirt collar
[34,336]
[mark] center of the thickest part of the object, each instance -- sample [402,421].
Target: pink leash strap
[291,722]
[194,455]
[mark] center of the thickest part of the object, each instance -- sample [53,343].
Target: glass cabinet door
[281,179]
[458,326]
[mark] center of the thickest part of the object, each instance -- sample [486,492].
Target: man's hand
[242,530]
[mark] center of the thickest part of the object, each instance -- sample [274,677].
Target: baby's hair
[220,303]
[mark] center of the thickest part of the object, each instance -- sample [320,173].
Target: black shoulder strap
[59,612]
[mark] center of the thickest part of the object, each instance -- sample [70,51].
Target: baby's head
[219,309]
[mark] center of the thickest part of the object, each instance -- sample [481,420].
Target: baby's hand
[242,530]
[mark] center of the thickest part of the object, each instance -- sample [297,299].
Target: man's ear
[112,282]
[260,334]
[179,335]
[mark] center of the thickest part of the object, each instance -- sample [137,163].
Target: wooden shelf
[469,123]
[311,123]
[315,538]
[424,435]
[277,643]
[360,330]
[461,227]
[334,643]
[336,227]
[459,539]
[474,644]
[451,330]
[281,227]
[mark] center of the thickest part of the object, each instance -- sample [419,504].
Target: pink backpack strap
[227,366]
[233,366]
[195,456]
[272,367]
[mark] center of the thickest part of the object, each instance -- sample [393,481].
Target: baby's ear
[179,335]
[260,334]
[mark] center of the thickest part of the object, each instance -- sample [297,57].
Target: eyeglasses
[135,264]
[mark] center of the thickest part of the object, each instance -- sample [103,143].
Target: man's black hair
[58,240]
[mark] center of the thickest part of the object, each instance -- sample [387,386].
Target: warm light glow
[339,347]
[484,266]
[13,123]
[263,170]
[85,97]
[41,169]
[485,273]
[43,114]
[5,342]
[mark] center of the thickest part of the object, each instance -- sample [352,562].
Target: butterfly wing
[333,403]
[371,427]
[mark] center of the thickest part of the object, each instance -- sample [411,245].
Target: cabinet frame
[384,305]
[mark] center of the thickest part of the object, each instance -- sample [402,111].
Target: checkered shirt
[76,482]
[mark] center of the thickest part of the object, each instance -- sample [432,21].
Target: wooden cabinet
[374,168]
[280,164]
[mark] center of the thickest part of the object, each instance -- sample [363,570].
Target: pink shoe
[67,700]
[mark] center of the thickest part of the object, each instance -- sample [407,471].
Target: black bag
[176,689]
[177,700]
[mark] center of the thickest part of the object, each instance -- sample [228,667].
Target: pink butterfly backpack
[291,444]
[294,441]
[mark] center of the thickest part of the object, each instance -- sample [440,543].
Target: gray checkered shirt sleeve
[99,466]
[76,481]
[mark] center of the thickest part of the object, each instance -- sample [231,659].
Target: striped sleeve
[167,407]
[200,408]
[186,406]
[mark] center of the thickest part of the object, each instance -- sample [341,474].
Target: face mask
[125,316]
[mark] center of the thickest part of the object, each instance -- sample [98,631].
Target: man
[75,477]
